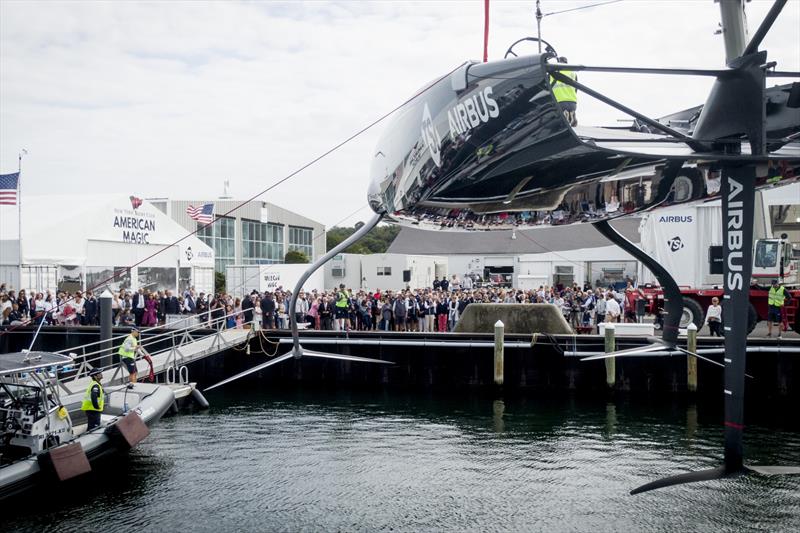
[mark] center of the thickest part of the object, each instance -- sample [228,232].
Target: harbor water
[376,461]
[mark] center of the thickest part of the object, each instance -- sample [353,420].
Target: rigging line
[579,8]
[277,183]
[295,172]
[312,240]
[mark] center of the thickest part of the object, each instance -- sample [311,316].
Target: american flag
[204,214]
[8,188]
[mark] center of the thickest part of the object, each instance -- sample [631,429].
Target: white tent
[81,241]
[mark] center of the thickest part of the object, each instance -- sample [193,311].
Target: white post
[499,334]
[610,346]
[691,361]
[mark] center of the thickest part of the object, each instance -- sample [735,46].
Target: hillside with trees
[376,241]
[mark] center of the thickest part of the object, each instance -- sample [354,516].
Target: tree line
[377,241]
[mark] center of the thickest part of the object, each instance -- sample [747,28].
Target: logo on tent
[135,202]
[189,253]
[675,244]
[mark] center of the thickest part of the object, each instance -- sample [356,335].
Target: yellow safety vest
[562,91]
[87,404]
[125,353]
[342,300]
[776,296]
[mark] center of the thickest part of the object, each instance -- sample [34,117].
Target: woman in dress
[230,317]
[237,310]
[258,314]
[149,317]
[22,304]
[282,316]
[313,312]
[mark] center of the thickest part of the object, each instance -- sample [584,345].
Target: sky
[170,99]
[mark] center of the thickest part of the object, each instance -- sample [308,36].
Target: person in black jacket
[442,310]
[138,306]
[90,309]
[171,306]
[326,311]
[268,311]
[247,308]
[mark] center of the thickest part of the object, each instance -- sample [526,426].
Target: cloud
[172,98]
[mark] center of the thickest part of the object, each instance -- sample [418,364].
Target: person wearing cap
[127,354]
[93,400]
[775,302]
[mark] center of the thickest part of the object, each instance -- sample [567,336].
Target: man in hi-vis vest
[566,95]
[93,399]
[775,302]
[127,355]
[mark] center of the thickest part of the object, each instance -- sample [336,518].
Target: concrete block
[517,318]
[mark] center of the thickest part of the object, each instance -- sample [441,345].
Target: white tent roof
[104,230]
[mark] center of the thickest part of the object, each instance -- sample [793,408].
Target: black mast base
[716,473]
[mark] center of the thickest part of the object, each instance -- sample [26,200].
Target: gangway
[186,345]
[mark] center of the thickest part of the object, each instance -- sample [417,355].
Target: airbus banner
[669,237]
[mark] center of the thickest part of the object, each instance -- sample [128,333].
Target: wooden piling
[611,364]
[691,361]
[499,333]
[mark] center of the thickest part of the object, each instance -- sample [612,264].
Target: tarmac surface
[761,332]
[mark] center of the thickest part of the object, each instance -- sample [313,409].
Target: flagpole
[19,215]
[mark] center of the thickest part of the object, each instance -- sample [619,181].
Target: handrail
[141,330]
[149,342]
[163,334]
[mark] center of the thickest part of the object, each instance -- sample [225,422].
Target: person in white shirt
[714,317]
[612,308]
[78,304]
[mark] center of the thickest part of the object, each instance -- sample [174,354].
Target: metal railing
[178,338]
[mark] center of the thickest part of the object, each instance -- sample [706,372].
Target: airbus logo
[431,137]
[675,244]
[472,112]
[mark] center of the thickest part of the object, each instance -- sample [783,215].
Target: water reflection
[498,408]
[289,461]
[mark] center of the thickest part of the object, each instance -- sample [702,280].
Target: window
[261,243]
[111,278]
[300,239]
[563,276]
[767,254]
[337,272]
[156,279]
[384,271]
[160,205]
[221,237]
[39,278]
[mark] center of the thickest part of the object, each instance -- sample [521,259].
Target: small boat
[43,433]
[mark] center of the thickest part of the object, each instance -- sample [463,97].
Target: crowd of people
[428,309]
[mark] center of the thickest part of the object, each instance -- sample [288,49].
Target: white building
[249,233]
[242,279]
[384,271]
[529,258]
[92,241]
